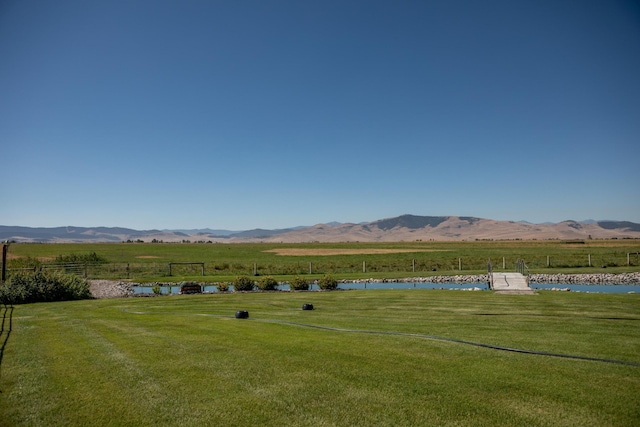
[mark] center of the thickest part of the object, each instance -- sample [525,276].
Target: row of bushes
[268,283]
[43,286]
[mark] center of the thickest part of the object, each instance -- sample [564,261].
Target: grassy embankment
[185,360]
[149,262]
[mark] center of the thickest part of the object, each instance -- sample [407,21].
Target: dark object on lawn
[241,314]
[190,288]
[307,306]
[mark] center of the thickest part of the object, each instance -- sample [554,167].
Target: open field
[149,262]
[305,252]
[360,358]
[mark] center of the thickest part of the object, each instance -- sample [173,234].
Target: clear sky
[248,114]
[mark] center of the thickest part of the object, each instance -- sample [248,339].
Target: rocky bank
[110,289]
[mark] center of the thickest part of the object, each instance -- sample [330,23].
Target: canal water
[573,287]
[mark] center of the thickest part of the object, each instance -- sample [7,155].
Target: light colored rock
[110,289]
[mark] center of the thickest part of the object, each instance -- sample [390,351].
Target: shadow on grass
[7,321]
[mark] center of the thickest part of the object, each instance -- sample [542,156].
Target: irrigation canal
[572,287]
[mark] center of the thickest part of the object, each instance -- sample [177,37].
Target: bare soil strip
[330,251]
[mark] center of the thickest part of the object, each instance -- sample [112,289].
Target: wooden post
[628,262]
[364,266]
[203,268]
[4,262]
[460,264]
[310,268]
[504,264]
[589,260]
[255,269]
[414,265]
[548,263]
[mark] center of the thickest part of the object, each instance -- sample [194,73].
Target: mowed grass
[361,358]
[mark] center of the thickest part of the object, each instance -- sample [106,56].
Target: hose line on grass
[430,337]
[458,341]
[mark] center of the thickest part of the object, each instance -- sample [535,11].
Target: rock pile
[598,278]
[110,289]
[466,278]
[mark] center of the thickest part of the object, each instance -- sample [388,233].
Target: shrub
[243,283]
[267,283]
[24,262]
[90,258]
[299,284]
[44,287]
[327,283]
[222,287]
[156,289]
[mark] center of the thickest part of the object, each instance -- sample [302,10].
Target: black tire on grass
[241,314]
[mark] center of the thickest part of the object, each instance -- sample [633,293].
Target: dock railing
[522,268]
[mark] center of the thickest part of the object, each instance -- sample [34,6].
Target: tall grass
[360,358]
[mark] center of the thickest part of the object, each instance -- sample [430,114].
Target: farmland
[146,262]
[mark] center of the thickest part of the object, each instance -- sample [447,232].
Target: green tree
[243,283]
[327,283]
[267,283]
[299,284]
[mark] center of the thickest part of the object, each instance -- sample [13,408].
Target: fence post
[504,263]
[548,263]
[414,265]
[460,264]
[589,260]
[310,268]
[364,266]
[5,246]
[628,262]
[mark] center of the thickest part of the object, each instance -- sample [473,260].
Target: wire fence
[318,266]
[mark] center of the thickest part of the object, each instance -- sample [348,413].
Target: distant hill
[401,228]
[616,225]
[411,222]
[451,228]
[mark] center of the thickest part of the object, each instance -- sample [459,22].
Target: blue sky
[269,114]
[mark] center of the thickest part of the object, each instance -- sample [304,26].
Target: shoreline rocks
[110,289]
[588,279]
[464,278]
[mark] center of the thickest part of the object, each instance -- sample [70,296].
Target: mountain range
[401,228]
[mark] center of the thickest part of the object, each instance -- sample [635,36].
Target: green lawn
[375,357]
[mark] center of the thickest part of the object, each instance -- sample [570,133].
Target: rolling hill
[401,228]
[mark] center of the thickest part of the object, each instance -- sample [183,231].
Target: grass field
[149,262]
[361,358]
